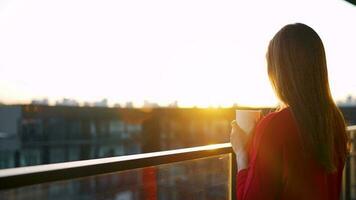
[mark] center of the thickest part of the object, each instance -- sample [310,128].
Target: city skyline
[199,53]
[348,101]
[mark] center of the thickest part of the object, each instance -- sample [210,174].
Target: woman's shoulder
[277,118]
[270,132]
[277,126]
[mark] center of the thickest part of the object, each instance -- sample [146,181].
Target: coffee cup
[247,119]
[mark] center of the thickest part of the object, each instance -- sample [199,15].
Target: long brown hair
[298,73]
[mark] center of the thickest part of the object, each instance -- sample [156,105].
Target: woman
[299,151]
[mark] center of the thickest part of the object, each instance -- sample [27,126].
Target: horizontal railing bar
[351,128]
[24,176]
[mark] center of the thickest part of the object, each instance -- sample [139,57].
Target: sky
[197,52]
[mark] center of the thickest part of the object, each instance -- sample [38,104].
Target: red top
[278,170]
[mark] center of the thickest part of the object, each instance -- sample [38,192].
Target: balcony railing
[349,180]
[12,181]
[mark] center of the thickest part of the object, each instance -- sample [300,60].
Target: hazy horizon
[199,53]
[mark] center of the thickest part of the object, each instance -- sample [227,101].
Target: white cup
[247,119]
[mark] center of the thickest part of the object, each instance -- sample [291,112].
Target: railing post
[233,175]
[348,174]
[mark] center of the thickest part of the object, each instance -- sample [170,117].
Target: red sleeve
[263,177]
[241,179]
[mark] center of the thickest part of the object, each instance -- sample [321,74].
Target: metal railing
[25,176]
[349,183]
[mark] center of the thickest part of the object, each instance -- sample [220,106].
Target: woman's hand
[238,139]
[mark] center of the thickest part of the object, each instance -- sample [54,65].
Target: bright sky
[199,52]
